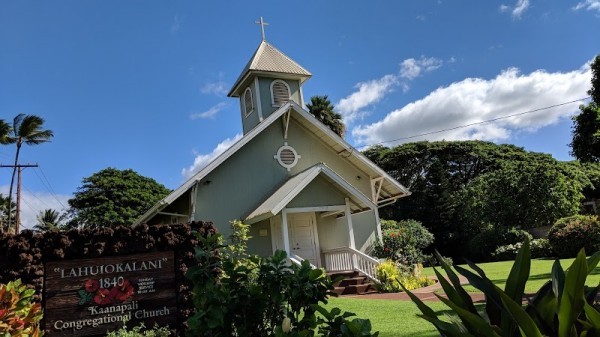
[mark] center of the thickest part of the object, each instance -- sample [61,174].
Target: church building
[300,186]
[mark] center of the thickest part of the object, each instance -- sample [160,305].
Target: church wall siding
[314,151]
[242,182]
[318,193]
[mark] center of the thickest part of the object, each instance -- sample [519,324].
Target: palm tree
[4,212]
[323,110]
[50,220]
[4,132]
[25,129]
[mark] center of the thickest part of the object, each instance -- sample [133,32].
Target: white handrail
[295,259]
[349,259]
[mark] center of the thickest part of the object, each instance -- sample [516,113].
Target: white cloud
[368,93]
[210,113]
[34,202]
[590,5]
[218,88]
[202,160]
[474,100]
[412,68]
[176,25]
[517,11]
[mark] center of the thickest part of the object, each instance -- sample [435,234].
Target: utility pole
[19,168]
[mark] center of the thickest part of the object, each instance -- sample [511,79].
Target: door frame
[285,229]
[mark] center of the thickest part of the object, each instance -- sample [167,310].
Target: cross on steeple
[262,24]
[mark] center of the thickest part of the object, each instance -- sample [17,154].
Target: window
[280,93]
[287,156]
[248,103]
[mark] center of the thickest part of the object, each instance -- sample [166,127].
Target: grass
[539,274]
[399,318]
[391,318]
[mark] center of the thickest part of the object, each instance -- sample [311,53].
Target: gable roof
[390,189]
[268,59]
[296,184]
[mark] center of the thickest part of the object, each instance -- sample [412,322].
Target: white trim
[246,112]
[316,209]
[350,225]
[193,197]
[258,102]
[379,233]
[280,160]
[313,221]
[302,104]
[284,231]
[174,214]
[289,95]
[300,185]
[246,139]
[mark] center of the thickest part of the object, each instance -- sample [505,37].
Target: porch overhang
[277,201]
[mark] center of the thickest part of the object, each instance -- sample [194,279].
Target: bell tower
[269,80]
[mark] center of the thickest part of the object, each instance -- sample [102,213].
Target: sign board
[88,297]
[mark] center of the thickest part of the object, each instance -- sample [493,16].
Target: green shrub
[568,235]
[258,297]
[390,275]
[141,331]
[563,307]
[540,248]
[483,245]
[19,315]
[403,241]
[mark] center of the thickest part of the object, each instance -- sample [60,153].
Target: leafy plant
[540,248]
[140,331]
[19,315]
[253,296]
[568,235]
[403,241]
[562,307]
[391,275]
[483,245]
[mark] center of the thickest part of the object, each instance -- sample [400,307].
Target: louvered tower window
[280,93]
[248,103]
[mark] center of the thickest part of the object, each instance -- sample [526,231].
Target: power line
[473,124]
[48,186]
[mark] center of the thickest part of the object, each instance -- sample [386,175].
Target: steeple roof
[268,59]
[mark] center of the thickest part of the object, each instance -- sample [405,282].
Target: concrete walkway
[424,294]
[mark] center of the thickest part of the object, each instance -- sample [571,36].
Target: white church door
[303,237]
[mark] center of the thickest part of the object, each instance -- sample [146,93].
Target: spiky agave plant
[562,307]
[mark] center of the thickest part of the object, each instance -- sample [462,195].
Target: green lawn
[539,274]
[398,318]
[391,318]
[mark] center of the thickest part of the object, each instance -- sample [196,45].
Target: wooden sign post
[89,297]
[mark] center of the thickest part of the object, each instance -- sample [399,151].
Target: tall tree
[324,111]
[50,220]
[114,197]
[4,132]
[25,129]
[586,125]
[5,210]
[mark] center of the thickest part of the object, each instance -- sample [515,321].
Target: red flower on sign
[102,297]
[91,285]
[122,292]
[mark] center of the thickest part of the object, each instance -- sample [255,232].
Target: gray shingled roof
[269,59]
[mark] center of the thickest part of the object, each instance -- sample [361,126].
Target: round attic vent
[287,156]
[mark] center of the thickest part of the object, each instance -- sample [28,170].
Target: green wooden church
[301,187]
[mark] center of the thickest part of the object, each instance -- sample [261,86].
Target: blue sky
[142,84]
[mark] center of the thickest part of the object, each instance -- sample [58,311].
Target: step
[353,281]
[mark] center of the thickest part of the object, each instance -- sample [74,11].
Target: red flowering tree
[403,241]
